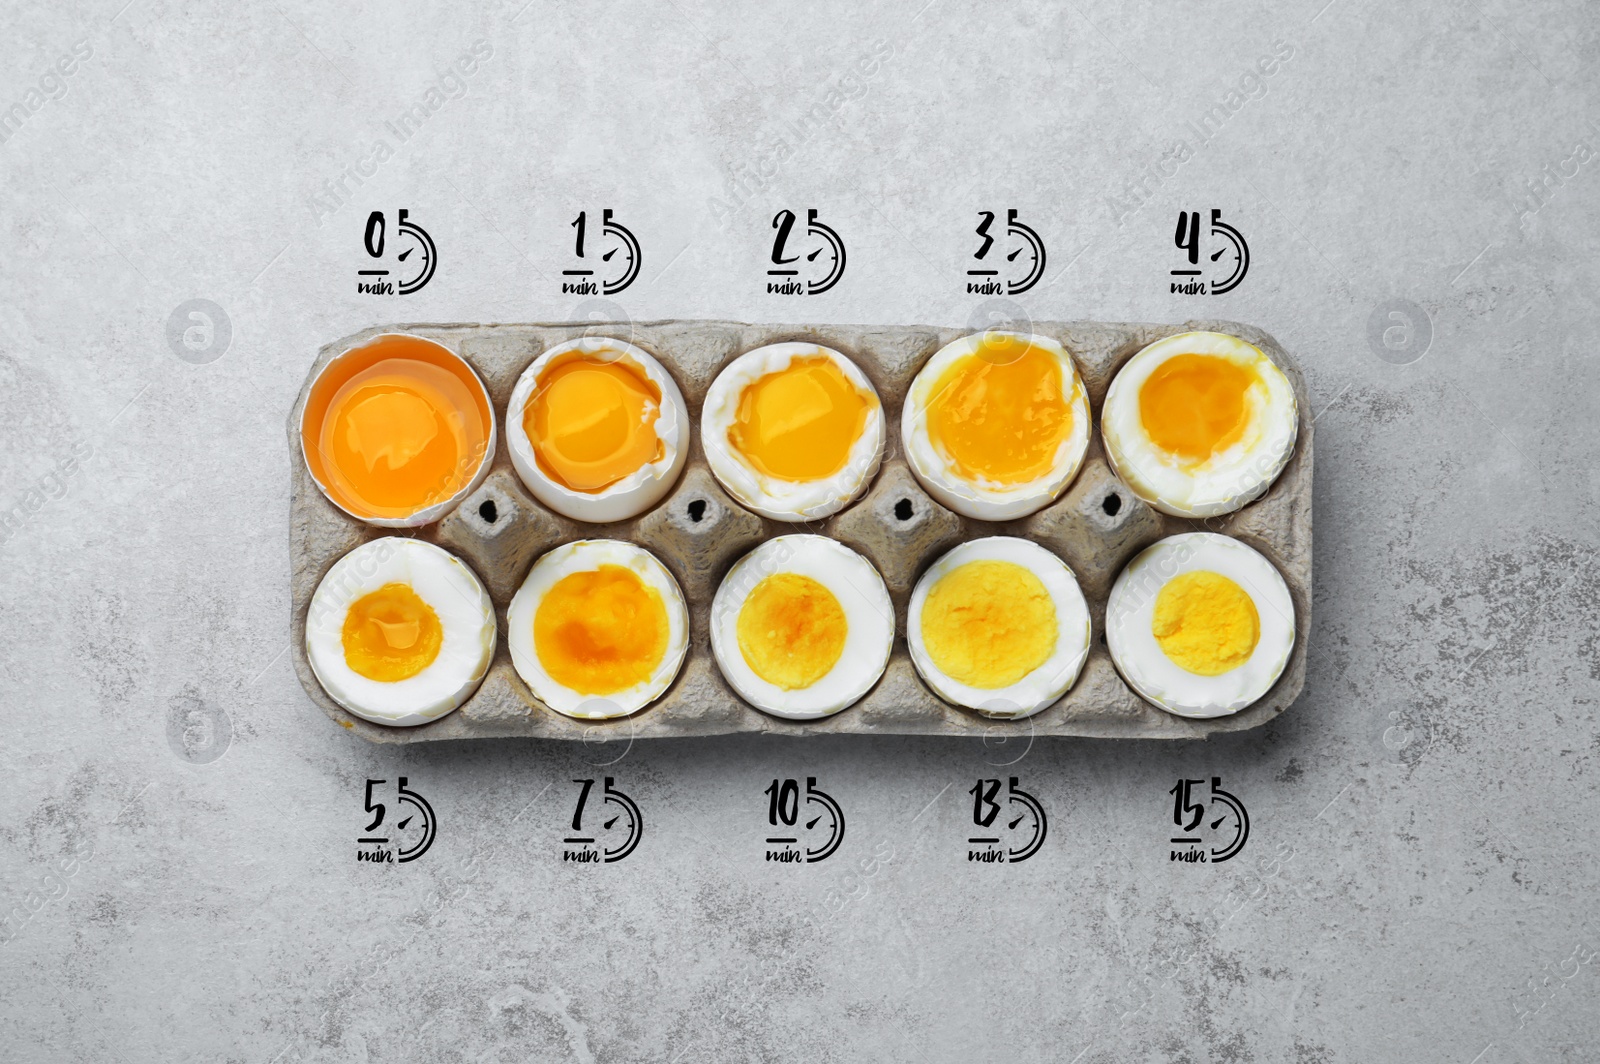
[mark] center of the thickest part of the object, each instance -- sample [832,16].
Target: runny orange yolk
[800,422]
[1194,406]
[1205,623]
[601,631]
[791,630]
[988,624]
[395,427]
[391,634]
[593,422]
[999,414]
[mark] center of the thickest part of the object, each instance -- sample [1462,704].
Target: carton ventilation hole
[488,511]
[903,510]
[697,510]
[1112,504]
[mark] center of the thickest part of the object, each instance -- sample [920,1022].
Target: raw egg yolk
[791,630]
[593,422]
[988,624]
[396,427]
[800,422]
[1194,406]
[391,634]
[1205,623]
[601,631]
[998,414]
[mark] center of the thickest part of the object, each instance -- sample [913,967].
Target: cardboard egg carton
[698,532]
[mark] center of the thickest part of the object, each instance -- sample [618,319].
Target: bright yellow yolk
[396,429]
[1205,623]
[391,634]
[1193,406]
[593,422]
[999,414]
[601,631]
[988,624]
[791,630]
[799,423]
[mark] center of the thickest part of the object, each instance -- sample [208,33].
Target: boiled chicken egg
[999,625]
[1199,424]
[598,430]
[1200,624]
[793,431]
[400,632]
[996,424]
[802,626]
[598,629]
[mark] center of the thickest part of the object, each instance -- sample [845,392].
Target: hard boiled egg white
[400,632]
[996,424]
[1000,626]
[1199,424]
[1200,624]
[598,629]
[802,626]
[794,431]
[598,429]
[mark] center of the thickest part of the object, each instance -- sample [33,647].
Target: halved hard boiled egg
[598,430]
[1200,624]
[400,631]
[397,431]
[598,629]
[1199,424]
[996,424]
[794,431]
[999,625]
[802,626]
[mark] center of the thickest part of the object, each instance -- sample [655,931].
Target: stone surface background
[1418,885]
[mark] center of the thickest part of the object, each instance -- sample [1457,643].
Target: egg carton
[698,531]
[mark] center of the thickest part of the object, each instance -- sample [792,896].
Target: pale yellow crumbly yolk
[791,630]
[1194,406]
[602,631]
[999,414]
[593,422]
[800,422]
[396,427]
[1205,623]
[988,624]
[391,634]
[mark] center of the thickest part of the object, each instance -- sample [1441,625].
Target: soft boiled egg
[597,429]
[1200,624]
[598,629]
[794,431]
[996,424]
[802,626]
[400,632]
[1199,424]
[999,625]
[397,431]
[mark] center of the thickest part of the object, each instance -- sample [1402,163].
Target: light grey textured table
[177,819]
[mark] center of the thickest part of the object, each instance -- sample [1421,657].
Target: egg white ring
[428,514]
[443,581]
[982,499]
[634,493]
[1226,481]
[1160,680]
[784,500]
[588,555]
[1055,675]
[869,617]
